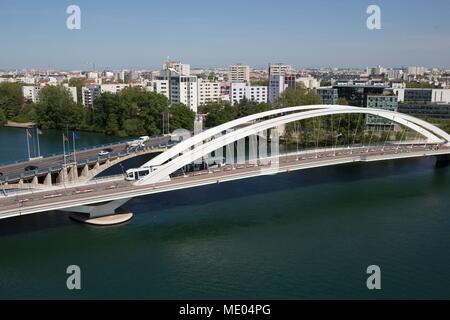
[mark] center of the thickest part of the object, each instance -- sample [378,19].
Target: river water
[304,235]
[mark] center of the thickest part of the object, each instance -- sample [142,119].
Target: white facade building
[242,90]
[416,71]
[161,87]
[277,85]
[182,68]
[182,89]
[89,94]
[308,82]
[31,93]
[208,91]
[112,88]
[239,73]
[280,69]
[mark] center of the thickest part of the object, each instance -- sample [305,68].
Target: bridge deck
[13,172]
[41,201]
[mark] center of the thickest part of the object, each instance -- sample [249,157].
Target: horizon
[141,35]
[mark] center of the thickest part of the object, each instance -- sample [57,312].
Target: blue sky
[142,33]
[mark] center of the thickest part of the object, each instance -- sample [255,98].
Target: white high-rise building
[161,87]
[112,88]
[308,82]
[280,69]
[209,91]
[182,68]
[239,73]
[89,94]
[242,90]
[416,71]
[182,89]
[31,93]
[276,87]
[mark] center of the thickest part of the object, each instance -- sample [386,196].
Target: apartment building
[182,89]
[239,91]
[209,91]
[239,73]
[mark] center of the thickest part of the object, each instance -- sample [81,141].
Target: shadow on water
[300,179]
[242,188]
[135,162]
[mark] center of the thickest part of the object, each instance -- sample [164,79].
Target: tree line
[132,112]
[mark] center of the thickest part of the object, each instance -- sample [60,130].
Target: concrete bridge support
[62,176]
[48,180]
[103,214]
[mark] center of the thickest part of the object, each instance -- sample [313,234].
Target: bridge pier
[103,214]
[62,176]
[85,172]
[48,179]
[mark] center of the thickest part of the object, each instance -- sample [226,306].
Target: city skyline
[141,35]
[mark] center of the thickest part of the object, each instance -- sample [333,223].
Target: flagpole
[64,149]
[39,147]
[28,144]
[74,148]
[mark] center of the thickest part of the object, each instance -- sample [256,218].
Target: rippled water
[310,234]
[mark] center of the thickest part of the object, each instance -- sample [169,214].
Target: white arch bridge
[243,148]
[212,140]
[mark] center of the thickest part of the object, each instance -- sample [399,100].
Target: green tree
[299,96]
[116,114]
[57,110]
[218,113]
[3,119]
[11,99]
[248,107]
[134,127]
[181,117]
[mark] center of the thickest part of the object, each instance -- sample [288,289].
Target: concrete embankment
[26,125]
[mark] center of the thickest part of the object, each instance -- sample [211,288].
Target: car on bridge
[30,168]
[105,152]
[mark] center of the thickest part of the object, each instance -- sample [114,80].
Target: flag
[76,136]
[30,136]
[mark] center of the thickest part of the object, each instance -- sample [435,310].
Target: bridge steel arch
[211,133]
[434,135]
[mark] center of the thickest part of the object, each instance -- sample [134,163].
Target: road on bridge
[82,156]
[98,192]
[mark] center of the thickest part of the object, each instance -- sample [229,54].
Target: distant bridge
[166,172]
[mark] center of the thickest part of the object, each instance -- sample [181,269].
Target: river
[305,235]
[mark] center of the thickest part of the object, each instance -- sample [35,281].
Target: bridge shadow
[285,181]
[123,166]
[242,188]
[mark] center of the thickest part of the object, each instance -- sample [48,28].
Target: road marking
[53,196]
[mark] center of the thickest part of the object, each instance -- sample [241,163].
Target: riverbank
[25,125]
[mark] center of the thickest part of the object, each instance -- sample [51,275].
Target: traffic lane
[58,161]
[92,154]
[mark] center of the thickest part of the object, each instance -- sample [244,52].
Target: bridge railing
[89,161]
[82,149]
